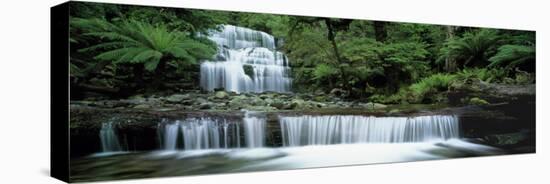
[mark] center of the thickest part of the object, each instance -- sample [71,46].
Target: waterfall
[109,139]
[240,48]
[316,130]
[207,133]
[254,130]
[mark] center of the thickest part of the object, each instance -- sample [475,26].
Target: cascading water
[199,133]
[254,130]
[109,139]
[207,133]
[319,130]
[240,48]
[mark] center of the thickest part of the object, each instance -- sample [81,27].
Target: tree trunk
[380,31]
[332,39]
[450,63]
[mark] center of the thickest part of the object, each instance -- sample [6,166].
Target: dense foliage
[118,48]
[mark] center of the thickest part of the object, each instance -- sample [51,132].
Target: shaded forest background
[119,51]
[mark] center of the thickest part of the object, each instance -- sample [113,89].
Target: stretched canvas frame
[247,108]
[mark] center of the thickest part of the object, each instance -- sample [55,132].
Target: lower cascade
[109,139]
[252,131]
[255,130]
[208,133]
[319,130]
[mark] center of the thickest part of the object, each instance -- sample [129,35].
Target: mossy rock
[221,95]
[320,98]
[249,70]
[478,101]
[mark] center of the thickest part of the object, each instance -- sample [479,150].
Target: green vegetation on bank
[119,51]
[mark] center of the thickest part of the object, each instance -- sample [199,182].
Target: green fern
[323,72]
[471,49]
[137,42]
[511,56]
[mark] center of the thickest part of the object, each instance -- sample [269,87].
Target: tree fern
[513,55]
[137,42]
[471,49]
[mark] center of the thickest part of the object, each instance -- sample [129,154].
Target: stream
[203,133]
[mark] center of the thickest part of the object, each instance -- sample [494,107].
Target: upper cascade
[246,62]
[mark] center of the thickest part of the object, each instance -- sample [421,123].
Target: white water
[238,46]
[109,139]
[207,133]
[332,155]
[198,133]
[321,130]
[254,131]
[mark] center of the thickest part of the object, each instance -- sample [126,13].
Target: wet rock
[237,102]
[477,101]
[257,101]
[260,108]
[137,97]
[200,100]
[278,104]
[249,70]
[320,105]
[187,102]
[221,95]
[268,96]
[176,98]
[505,139]
[374,106]
[338,92]
[206,105]
[268,101]
[297,104]
[142,106]
[320,98]
[394,111]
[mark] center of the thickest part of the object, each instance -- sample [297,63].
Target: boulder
[176,98]
[297,104]
[338,92]
[200,100]
[257,101]
[277,104]
[269,101]
[477,101]
[320,98]
[221,95]
[249,70]
[206,105]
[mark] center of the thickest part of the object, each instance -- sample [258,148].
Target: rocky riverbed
[221,100]
[485,116]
